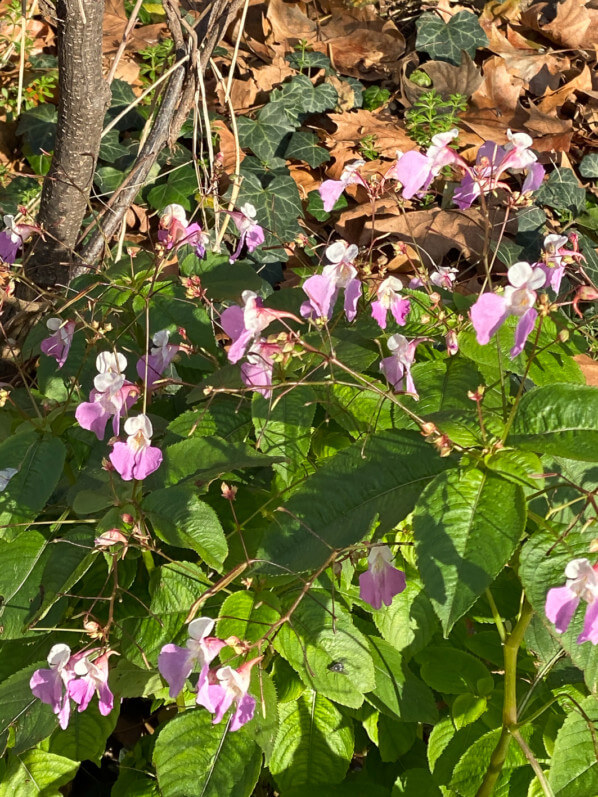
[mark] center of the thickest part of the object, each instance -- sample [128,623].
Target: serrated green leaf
[562,191]
[409,623]
[303,146]
[470,770]
[36,772]
[224,417]
[247,616]
[283,428]
[466,526]
[451,671]
[382,479]
[21,713]
[415,781]
[398,692]
[574,767]
[445,40]
[205,458]
[560,419]
[39,462]
[21,566]
[181,519]
[314,745]
[192,756]
[320,637]
[86,735]
[467,709]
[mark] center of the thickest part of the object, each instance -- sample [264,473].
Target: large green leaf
[445,40]
[181,519]
[86,735]
[466,526]
[322,634]
[36,773]
[453,671]
[574,767]
[542,567]
[398,692]
[38,461]
[207,457]
[314,745]
[178,188]
[558,419]
[470,770]
[283,428]
[246,615]
[194,757]
[562,191]
[299,97]
[21,566]
[38,126]
[277,204]
[409,622]
[303,146]
[21,713]
[335,507]
[267,136]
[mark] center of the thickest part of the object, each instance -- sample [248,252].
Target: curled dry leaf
[553,100]
[353,126]
[446,79]
[433,232]
[574,24]
[500,89]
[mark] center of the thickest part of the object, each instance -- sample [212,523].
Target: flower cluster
[74,677]
[217,689]
[562,602]
[175,231]
[322,289]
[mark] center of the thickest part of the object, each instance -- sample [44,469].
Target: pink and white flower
[397,367]
[330,190]
[562,602]
[251,233]
[381,581]
[58,344]
[176,664]
[175,231]
[322,289]
[136,458]
[244,324]
[416,170]
[12,238]
[6,475]
[388,297]
[91,677]
[491,310]
[256,371]
[51,685]
[444,277]
[556,257]
[225,688]
[157,361]
[111,397]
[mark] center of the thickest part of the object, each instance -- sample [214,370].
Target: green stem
[509,714]
[496,616]
[148,560]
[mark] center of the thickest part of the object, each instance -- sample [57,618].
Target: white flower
[5,476]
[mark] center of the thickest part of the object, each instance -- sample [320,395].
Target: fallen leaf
[227,146]
[581,82]
[446,79]
[352,126]
[500,89]
[589,368]
[574,25]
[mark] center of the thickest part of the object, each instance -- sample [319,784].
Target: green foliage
[446,40]
[430,114]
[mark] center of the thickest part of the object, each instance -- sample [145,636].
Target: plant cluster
[345,521]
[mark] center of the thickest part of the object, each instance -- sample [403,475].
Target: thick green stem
[509,714]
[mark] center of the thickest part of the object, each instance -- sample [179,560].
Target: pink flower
[158,360]
[12,237]
[415,171]
[175,231]
[109,538]
[256,371]
[397,367]
[5,476]
[252,233]
[176,664]
[562,602]
[381,581]
[136,458]
[388,297]
[244,324]
[491,163]
[556,258]
[227,687]
[111,397]
[330,190]
[59,343]
[490,311]
[452,342]
[322,289]
[50,685]
[444,277]
[91,677]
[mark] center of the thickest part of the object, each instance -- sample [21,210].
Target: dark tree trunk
[84,98]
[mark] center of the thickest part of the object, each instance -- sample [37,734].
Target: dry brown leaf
[541,124]
[500,89]
[589,368]
[115,22]
[243,93]
[434,231]
[307,180]
[573,26]
[446,79]
[227,146]
[526,59]
[554,100]
[270,76]
[352,126]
